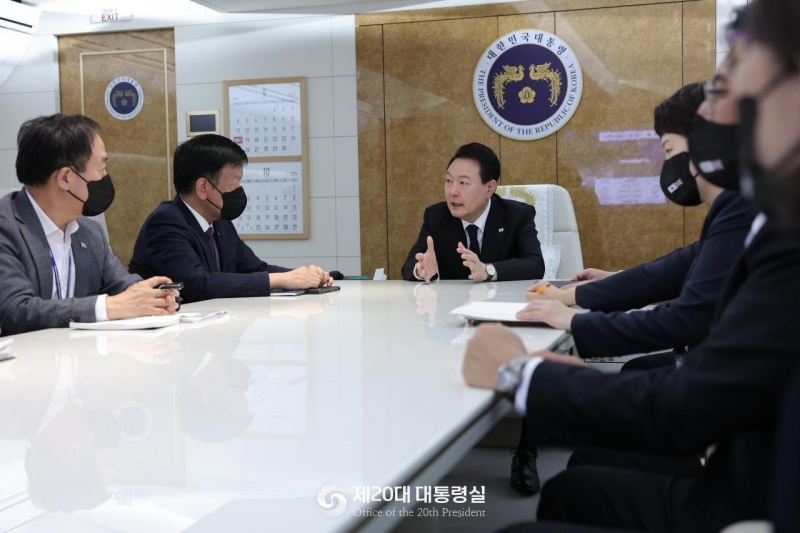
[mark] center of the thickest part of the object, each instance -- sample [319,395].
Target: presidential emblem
[124,98]
[527,84]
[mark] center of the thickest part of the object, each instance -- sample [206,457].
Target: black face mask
[776,192]
[677,182]
[233,203]
[101,195]
[714,148]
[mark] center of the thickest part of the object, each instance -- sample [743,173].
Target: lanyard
[58,278]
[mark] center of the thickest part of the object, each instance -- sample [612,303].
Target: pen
[541,289]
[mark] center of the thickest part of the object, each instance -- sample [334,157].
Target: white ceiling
[339,7]
[334,7]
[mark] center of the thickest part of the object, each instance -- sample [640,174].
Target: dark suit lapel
[493,232]
[33,234]
[211,263]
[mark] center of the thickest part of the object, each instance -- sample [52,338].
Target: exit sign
[111,15]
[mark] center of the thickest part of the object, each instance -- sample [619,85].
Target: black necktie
[212,245]
[472,232]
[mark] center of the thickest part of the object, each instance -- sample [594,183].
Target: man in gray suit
[57,265]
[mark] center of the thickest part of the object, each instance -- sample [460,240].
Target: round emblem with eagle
[527,84]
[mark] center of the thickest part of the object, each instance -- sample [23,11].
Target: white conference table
[237,424]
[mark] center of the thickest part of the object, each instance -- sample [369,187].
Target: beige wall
[140,149]
[416,107]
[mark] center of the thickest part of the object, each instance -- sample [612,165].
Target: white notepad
[202,316]
[143,322]
[5,348]
[493,312]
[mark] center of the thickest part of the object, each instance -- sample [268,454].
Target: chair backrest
[556,224]
[100,219]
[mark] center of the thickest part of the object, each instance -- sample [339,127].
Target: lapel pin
[83,245]
[500,230]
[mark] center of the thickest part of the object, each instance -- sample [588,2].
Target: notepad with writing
[505,312]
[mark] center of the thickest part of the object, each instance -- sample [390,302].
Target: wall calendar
[268,119]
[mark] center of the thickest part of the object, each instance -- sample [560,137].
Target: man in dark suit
[57,265]
[478,235]
[193,239]
[689,279]
[725,398]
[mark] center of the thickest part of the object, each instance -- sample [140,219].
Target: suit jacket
[728,393]
[693,276]
[172,244]
[510,242]
[26,287]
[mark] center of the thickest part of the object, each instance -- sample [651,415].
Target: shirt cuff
[100,311]
[414,271]
[521,396]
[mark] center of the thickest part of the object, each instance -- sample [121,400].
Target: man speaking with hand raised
[477,235]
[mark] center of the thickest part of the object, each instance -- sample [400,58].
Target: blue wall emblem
[527,84]
[124,98]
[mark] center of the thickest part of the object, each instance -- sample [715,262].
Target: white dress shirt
[204,225]
[480,222]
[60,244]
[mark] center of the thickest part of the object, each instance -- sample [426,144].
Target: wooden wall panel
[633,55]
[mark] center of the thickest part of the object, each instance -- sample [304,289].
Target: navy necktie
[212,245]
[472,232]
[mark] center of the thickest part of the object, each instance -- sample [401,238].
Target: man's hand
[426,263]
[492,346]
[591,274]
[554,314]
[470,260]
[143,299]
[299,278]
[325,279]
[542,290]
[556,358]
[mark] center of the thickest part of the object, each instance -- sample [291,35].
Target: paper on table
[286,292]
[5,349]
[202,316]
[143,322]
[493,312]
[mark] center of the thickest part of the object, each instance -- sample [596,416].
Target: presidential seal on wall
[527,84]
[124,98]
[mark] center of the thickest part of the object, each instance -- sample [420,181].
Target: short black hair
[484,156]
[774,23]
[676,113]
[48,143]
[204,156]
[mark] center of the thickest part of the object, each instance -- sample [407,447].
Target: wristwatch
[509,376]
[490,271]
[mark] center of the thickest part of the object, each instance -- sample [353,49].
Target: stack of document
[5,349]
[202,316]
